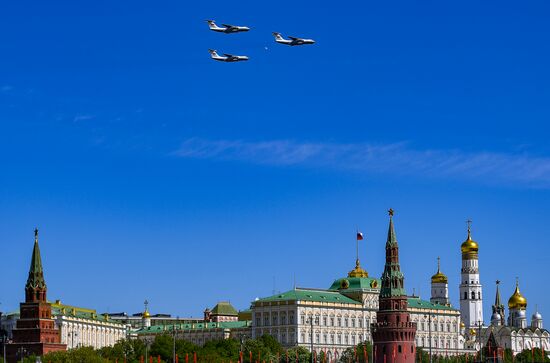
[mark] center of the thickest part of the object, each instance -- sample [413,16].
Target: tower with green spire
[35,332]
[35,289]
[393,333]
[498,307]
[392,278]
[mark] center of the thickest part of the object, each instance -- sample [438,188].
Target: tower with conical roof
[440,287]
[471,298]
[498,317]
[393,333]
[35,332]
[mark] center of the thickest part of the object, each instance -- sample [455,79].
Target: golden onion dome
[358,271]
[462,325]
[517,300]
[469,246]
[146,314]
[439,277]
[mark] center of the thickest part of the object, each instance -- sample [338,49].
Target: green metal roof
[81,313]
[416,302]
[224,308]
[36,272]
[157,329]
[310,295]
[392,278]
[355,283]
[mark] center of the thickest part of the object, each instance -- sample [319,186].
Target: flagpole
[356,243]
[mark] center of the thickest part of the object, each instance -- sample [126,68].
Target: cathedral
[513,333]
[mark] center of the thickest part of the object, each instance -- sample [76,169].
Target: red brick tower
[393,333]
[35,331]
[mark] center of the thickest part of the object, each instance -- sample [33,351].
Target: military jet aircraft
[227,57]
[226,28]
[292,40]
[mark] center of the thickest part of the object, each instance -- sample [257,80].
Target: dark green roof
[80,313]
[310,295]
[36,272]
[354,283]
[156,329]
[392,277]
[224,308]
[416,302]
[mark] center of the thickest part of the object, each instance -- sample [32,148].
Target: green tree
[529,356]
[264,348]
[132,350]
[80,355]
[223,350]
[185,348]
[300,354]
[357,353]
[162,346]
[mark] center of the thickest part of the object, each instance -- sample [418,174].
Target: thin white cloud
[79,118]
[6,88]
[395,159]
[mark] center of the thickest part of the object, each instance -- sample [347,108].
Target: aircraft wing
[229,26]
[228,55]
[294,38]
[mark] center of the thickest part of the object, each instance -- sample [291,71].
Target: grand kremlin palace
[342,315]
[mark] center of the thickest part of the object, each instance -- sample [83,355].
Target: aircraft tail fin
[213,53]
[212,24]
[277,36]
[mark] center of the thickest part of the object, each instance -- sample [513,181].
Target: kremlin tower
[35,332]
[471,299]
[393,333]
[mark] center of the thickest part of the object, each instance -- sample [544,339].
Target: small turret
[440,287]
[536,320]
[496,319]
[498,307]
[146,316]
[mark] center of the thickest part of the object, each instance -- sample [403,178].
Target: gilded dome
[469,246]
[146,314]
[439,277]
[358,271]
[517,301]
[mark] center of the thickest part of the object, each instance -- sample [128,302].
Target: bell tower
[471,298]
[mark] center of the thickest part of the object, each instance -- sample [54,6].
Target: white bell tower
[471,297]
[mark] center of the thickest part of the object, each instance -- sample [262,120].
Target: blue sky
[155,173]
